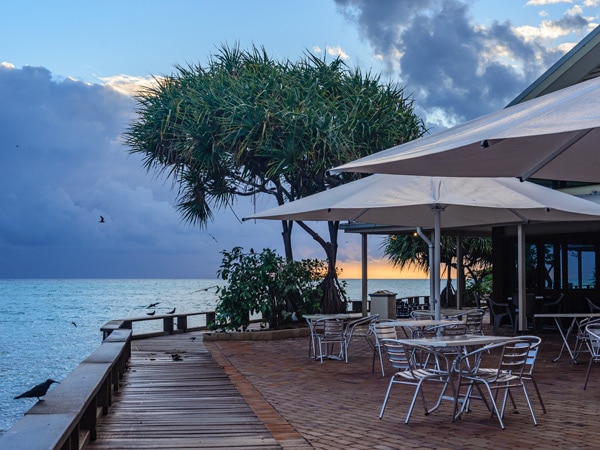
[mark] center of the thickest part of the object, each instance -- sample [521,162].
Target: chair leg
[387,394]
[529,403]
[495,407]
[538,394]
[381,363]
[414,399]
[321,351]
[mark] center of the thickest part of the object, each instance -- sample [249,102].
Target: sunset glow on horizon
[379,269]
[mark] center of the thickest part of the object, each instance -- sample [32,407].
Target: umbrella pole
[437,210]
[431,271]
[521,261]
[364,274]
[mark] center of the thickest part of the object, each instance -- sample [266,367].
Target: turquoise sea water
[47,327]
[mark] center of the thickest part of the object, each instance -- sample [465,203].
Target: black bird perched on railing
[172,311]
[151,313]
[37,391]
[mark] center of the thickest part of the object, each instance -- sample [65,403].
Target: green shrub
[263,283]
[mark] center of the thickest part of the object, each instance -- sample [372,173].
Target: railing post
[210,317]
[168,325]
[182,323]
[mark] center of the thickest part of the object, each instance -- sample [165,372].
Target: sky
[69,70]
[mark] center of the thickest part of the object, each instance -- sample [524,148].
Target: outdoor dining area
[371,389]
[451,353]
[437,380]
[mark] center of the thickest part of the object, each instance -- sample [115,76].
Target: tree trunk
[333,301]
[286,234]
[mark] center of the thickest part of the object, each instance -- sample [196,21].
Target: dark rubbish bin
[383,303]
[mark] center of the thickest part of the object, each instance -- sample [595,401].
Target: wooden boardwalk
[176,396]
[269,394]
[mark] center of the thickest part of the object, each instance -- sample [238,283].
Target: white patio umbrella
[436,203]
[555,137]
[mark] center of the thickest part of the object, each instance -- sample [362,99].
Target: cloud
[457,70]
[128,84]
[62,165]
[546,2]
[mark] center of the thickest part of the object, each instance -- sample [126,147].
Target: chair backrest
[421,315]
[359,323]
[455,330]
[474,321]
[593,332]
[534,346]
[384,330]
[497,305]
[592,306]
[333,328]
[420,356]
[583,323]
[510,356]
[554,304]
[397,356]
[514,357]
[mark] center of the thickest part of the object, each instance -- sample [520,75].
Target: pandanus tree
[245,125]
[411,251]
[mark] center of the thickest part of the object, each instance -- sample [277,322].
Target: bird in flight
[102,219]
[74,324]
[172,311]
[151,313]
[37,391]
[152,305]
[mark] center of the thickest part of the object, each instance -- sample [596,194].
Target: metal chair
[553,306]
[474,321]
[534,346]
[360,328]
[511,359]
[582,338]
[499,312]
[381,331]
[333,333]
[593,343]
[405,358]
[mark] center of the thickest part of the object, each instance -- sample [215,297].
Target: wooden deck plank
[179,404]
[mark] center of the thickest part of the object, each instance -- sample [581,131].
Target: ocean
[47,327]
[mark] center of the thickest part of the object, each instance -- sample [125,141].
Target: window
[581,266]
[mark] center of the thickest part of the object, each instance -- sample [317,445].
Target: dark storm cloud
[449,64]
[62,165]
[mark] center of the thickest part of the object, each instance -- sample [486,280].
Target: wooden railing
[171,323]
[67,417]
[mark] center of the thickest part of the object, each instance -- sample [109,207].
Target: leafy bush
[482,286]
[263,283]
